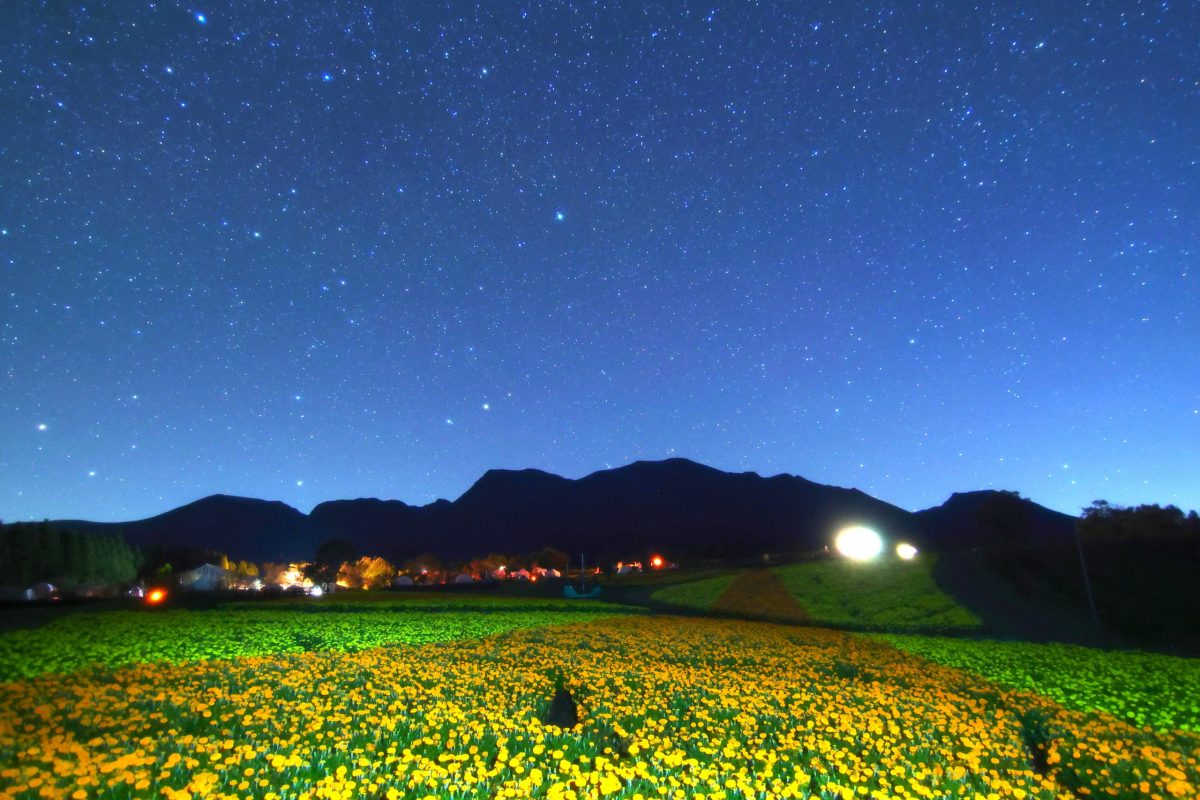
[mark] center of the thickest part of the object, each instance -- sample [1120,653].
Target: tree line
[38,553]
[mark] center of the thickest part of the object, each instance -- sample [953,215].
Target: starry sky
[315,250]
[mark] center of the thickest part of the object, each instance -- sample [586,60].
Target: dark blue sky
[318,250]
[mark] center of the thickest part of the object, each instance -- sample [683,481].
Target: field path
[760,594]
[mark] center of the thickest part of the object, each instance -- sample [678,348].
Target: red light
[156,596]
[656,562]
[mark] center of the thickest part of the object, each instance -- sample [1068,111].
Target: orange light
[656,562]
[156,596]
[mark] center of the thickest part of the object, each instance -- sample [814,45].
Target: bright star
[487,407]
[200,18]
[299,483]
[41,426]
[560,216]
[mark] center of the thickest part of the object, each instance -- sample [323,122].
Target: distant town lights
[858,543]
[906,551]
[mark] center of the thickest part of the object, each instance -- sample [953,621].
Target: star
[41,426]
[560,216]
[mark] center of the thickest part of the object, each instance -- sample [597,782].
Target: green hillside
[888,594]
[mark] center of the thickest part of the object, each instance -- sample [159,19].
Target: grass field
[887,595]
[668,707]
[698,594]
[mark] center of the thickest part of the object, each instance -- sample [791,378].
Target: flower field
[132,637]
[1143,688]
[668,707]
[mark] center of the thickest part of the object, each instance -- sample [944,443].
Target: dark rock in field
[563,711]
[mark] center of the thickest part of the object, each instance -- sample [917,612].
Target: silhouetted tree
[330,556]
[72,560]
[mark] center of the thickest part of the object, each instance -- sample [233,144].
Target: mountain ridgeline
[678,507]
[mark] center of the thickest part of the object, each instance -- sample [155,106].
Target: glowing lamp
[156,596]
[906,551]
[316,591]
[858,543]
[656,562]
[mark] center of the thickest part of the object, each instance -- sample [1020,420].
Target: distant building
[464,577]
[205,578]
[402,582]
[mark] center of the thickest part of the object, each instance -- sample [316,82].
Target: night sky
[320,250]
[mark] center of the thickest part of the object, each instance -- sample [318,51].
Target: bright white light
[316,591]
[858,543]
[906,551]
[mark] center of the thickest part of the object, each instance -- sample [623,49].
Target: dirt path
[759,594]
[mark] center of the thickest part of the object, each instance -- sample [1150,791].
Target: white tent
[402,580]
[204,578]
[464,577]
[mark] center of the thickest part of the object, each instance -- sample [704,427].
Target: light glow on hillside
[859,543]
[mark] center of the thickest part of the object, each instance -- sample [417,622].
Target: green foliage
[115,638]
[69,559]
[434,601]
[1142,688]
[888,594]
[695,594]
[330,556]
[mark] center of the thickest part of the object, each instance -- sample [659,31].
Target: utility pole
[1087,582]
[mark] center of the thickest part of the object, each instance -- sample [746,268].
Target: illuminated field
[116,638]
[668,707]
[1141,688]
[889,594]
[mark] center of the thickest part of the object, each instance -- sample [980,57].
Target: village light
[858,543]
[906,551]
[156,596]
[656,562]
[316,591]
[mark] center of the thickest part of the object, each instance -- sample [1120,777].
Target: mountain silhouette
[243,527]
[973,519]
[678,507]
